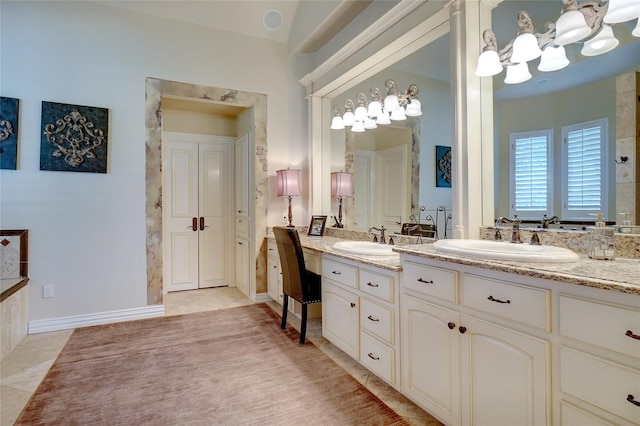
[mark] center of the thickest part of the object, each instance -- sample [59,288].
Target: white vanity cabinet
[360,314]
[465,356]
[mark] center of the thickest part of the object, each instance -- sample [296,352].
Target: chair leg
[285,309]
[303,324]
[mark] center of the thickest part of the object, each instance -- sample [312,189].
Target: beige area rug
[227,367]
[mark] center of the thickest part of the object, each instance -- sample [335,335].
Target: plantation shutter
[584,170]
[530,196]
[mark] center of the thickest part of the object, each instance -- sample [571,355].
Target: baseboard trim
[77,321]
[262,297]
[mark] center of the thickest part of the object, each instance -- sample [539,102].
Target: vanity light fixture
[589,22]
[289,186]
[341,187]
[396,106]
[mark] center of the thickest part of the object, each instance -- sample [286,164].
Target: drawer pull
[353,305]
[421,280]
[451,325]
[336,272]
[498,300]
[632,400]
[376,358]
[633,336]
[373,319]
[372,285]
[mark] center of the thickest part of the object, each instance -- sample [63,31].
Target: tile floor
[23,369]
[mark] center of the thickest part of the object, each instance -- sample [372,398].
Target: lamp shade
[288,182]
[375,109]
[621,11]
[488,64]
[383,119]
[553,58]
[348,118]
[398,114]
[358,127]
[517,73]
[414,108]
[525,48]
[603,42]
[341,184]
[571,26]
[337,123]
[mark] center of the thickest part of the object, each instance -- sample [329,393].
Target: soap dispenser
[601,240]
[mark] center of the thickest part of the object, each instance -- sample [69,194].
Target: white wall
[87,231]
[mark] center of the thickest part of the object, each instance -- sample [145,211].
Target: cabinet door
[242,265]
[242,175]
[504,376]
[274,279]
[340,323]
[430,354]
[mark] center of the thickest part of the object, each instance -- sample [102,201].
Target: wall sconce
[289,186]
[367,115]
[341,187]
[578,22]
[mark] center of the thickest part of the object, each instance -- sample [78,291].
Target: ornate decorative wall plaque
[9,110]
[74,138]
[443,166]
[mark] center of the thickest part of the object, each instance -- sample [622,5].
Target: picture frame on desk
[316,227]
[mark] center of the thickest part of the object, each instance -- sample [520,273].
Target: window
[530,174]
[584,172]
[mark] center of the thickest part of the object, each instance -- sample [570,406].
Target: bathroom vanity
[477,341]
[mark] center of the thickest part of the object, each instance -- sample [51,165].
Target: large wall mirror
[582,92]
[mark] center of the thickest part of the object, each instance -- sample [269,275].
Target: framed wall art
[74,138]
[9,111]
[443,166]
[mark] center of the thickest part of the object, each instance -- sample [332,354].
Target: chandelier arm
[348,105]
[392,88]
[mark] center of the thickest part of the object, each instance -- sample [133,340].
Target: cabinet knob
[462,329]
[353,305]
[451,325]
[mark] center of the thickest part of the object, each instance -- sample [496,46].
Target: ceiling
[244,17]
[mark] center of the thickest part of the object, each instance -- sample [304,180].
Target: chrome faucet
[382,229]
[515,227]
[547,220]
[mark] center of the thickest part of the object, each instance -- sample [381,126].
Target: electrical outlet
[47,291]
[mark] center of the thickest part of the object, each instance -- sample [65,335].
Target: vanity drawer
[605,384]
[378,357]
[340,272]
[377,285]
[376,319]
[601,324]
[527,305]
[430,280]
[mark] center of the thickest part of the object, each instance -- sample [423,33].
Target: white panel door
[392,175]
[198,214]
[364,197]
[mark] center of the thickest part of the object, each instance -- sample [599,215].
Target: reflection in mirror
[582,92]
[394,166]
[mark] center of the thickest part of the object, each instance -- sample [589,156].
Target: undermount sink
[363,248]
[502,250]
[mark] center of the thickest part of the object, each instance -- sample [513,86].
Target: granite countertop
[621,275]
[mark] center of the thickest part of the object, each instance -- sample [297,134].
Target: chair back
[291,261]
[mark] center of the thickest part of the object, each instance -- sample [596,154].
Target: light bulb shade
[348,119]
[553,58]
[398,115]
[288,182]
[360,113]
[341,184]
[337,123]
[358,127]
[488,64]
[414,108]
[621,11]
[391,103]
[603,42]
[375,109]
[370,124]
[383,119]
[517,73]
[525,48]
[571,26]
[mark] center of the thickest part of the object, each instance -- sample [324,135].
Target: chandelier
[589,22]
[397,106]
